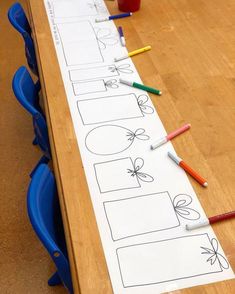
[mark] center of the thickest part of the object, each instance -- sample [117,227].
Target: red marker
[188,169]
[170,136]
[210,220]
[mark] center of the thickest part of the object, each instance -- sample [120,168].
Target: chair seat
[45,217]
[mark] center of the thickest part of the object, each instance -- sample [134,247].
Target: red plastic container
[129,5]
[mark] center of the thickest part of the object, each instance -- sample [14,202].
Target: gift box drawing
[147,214]
[74,8]
[188,256]
[120,174]
[97,72]
[82,88]
[79,37]
[111,108]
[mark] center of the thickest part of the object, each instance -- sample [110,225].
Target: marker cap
[158,143]
[196,225]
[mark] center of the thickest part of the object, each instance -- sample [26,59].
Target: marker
[170,136]
[140,86]
[113,17]
[133,53]
[210,220]
[121,35]
[188,169]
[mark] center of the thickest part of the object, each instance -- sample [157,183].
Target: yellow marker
[133,53]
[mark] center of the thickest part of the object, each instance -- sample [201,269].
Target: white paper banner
[142,200]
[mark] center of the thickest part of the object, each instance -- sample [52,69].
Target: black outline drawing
[110,71]
[138,108]
[106,145]
[77,48]
[105,37]
[102,86]
[100,7]
[174,206]
[215,256]
[91,4]
[134,172]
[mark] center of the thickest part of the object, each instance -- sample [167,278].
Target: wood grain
[193,62]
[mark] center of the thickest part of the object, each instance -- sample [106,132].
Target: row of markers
[170,136]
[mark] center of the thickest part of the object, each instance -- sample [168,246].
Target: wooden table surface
[193,62]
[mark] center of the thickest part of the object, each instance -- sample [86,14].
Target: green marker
[139,86]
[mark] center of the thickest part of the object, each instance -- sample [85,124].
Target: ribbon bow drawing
[138,164]
[123,68]
[142,100]
[98,5]
[106,38]
[139,134]
[111,84]
[181,204]
[214,255]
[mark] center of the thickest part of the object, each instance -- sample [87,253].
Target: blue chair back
[26,93]
[19,21]
[41,134]
[45,217]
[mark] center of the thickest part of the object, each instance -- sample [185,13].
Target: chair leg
[54,280]
[43,159]
[35,142]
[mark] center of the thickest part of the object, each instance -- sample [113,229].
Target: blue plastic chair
[18,19]
[45,217]
[26,93]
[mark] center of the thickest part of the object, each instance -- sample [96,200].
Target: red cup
[129,5]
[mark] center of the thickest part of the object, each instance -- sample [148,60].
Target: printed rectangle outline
[89,92]
[129,198]
[91,79]
[108,97]
[63,49]
[117,189]
[166,281]
[66,17]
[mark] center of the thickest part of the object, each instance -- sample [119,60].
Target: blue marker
[122,39]
[113,17]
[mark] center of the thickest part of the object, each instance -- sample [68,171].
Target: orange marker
[188,169]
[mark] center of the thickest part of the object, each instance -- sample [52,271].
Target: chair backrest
[41,134]
[19,21]
[26,93]
[45,217]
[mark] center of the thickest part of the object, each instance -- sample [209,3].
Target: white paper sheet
[141,199]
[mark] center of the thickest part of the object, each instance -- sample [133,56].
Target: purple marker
[113,17]
[122,39]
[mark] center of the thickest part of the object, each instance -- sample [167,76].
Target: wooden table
[193,61]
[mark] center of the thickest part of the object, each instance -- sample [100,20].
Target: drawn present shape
[80,44]
[112,108]
[97,72]
[169,260]
[87,87]
[147,214]
[112,139]
[74,8]
[120,174]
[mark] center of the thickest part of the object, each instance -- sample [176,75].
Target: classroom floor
[25,266]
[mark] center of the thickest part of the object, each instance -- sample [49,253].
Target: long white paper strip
[141,199]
